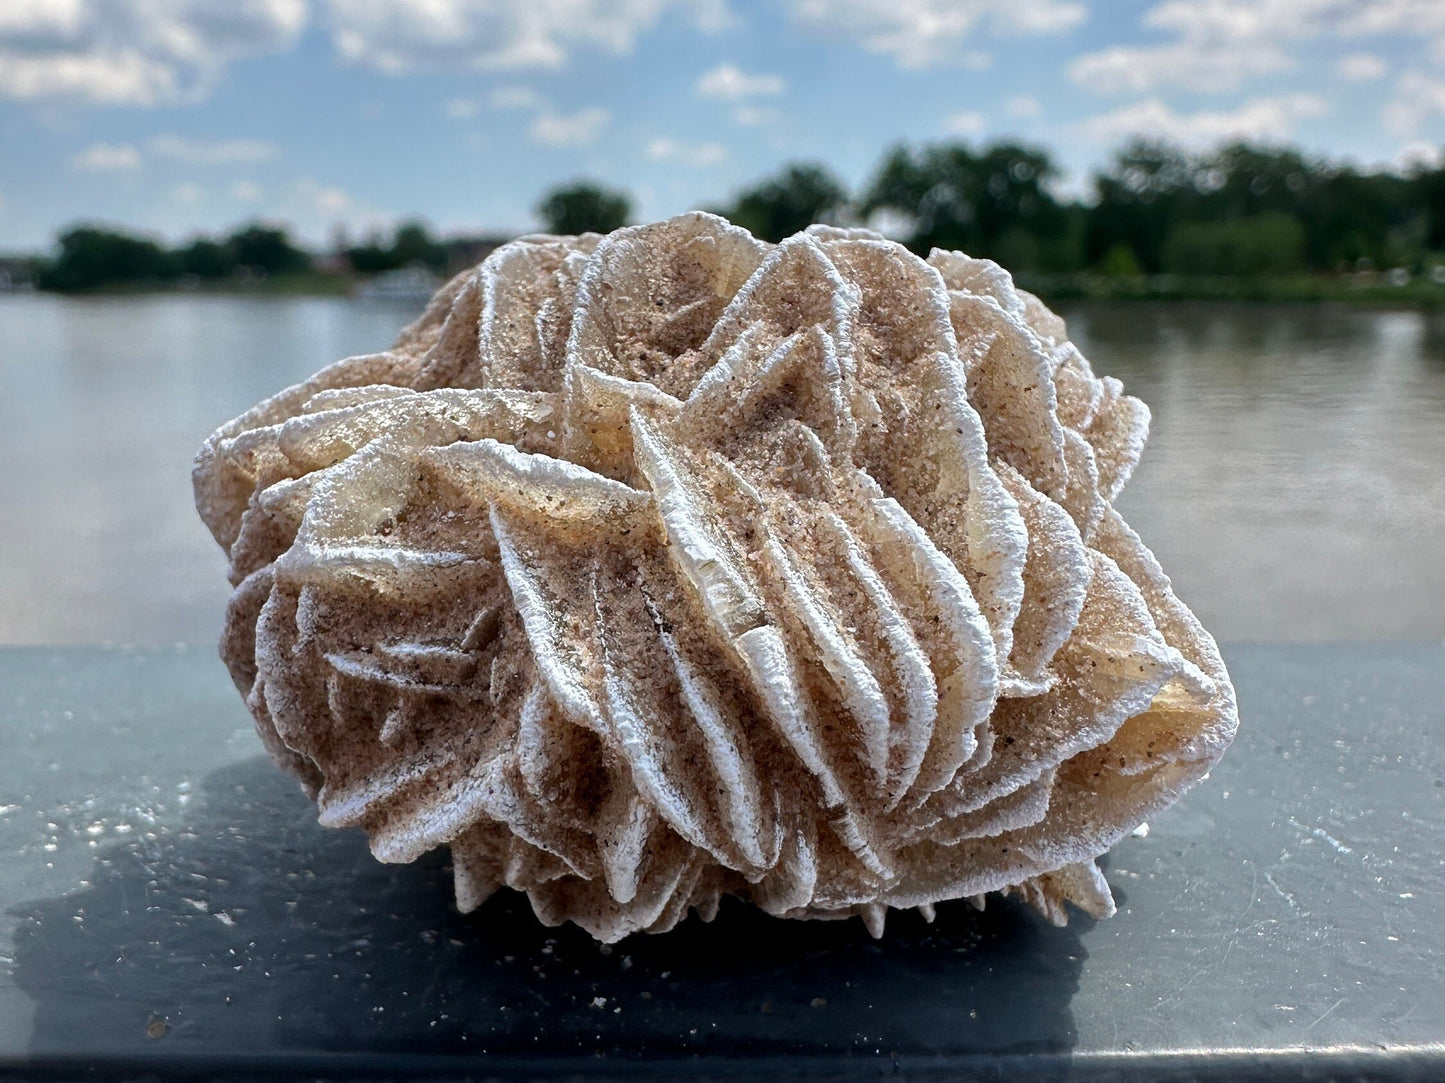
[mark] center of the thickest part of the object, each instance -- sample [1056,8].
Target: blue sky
[180,116]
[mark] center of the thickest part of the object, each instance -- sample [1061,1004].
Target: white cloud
[968,124]
[1260,118]
[1421,19]
[921,33]
[711,16]
[578,129]
[244,191]
[548,127]
[514,97]
[164,52]
[462,108]
[729,83]
[502,98]
[322,200]
[144,54]
[1219,45]
[1023,107]
[127,79]
[1194,65]
[892,223]
[313,209]
[40,16]
[332,200]
[404,35]
[124,157]
[1418,154]
[1361,67]
[1417,98]
[213,151]
[698,155]
[754,116]
[188,194]
[107,158]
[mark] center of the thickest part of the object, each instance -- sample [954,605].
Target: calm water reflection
[1294,485]
[103,406]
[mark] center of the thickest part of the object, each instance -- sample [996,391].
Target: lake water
[1293,486]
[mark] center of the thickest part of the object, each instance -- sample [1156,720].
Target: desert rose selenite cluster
[656,566]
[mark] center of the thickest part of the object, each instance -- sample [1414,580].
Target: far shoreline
[1356,291]
[1058,289]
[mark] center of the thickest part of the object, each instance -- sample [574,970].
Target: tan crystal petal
[928,450]
[1057,574]
[651,295]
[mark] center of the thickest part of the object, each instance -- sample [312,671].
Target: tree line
[1241,211]
[90,257]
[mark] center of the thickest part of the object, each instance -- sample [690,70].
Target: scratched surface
[167,905]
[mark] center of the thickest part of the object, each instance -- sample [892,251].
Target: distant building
[336,259]
[464,252]
[409,285]
[16,274]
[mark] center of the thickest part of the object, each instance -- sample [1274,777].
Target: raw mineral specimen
[656,566]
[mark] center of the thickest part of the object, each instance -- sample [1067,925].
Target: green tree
[91,256]
[584,207]
[801,194]
[412,243]
[1241,180]
[1147,187]
[372,257]
[1344,215]
[1259,245]
[1120,262]
[994,202]
[267,250]
[1429,194]
[206,258]
[1180,210]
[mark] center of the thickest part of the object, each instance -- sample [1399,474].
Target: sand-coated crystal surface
[669,564]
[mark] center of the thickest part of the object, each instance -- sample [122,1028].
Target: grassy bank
[297,284]
[292,284]
[1377,292]
[1079,286]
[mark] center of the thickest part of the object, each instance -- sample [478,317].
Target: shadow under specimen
[252,931]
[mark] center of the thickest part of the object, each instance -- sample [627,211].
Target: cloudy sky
[186,115]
